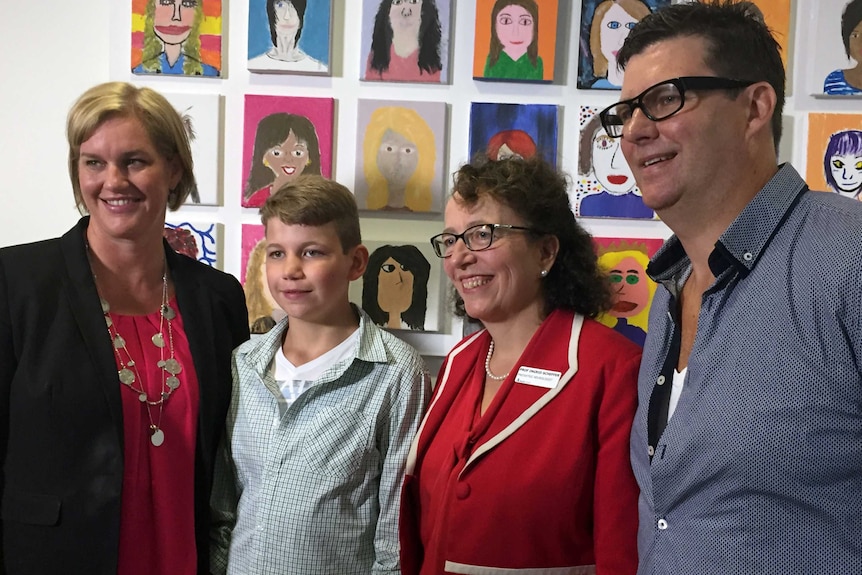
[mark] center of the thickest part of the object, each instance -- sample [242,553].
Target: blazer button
[462,490]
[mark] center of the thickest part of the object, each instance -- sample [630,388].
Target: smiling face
[394,287]
[397,158]
[174,19]
[287,160]
[609,165]
[125,181]
[308,273]
[615,28]
[514,28]
[847,172]
[502,282]
[682,162]
[629,284]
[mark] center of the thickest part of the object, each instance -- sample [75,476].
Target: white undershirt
[676,390]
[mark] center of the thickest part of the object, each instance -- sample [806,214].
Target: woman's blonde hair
[609,258]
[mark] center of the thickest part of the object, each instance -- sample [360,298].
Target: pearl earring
[543,273]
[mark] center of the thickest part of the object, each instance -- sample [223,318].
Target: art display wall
[389,97]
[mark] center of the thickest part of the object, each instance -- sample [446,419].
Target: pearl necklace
[488,365]
[128,373]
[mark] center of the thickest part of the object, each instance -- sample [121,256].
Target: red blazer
[548,483]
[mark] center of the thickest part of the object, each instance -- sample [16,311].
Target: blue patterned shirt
[760,468]
[318,481]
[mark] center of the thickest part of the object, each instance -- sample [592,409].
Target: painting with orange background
[625,261]
[515,40]
[176,37]
[834,159]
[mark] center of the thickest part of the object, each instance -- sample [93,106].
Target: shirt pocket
[336,442]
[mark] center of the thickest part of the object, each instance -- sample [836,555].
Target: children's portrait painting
[625,261]
[403,155]
[201,241]
[202,114]
[834,161]
[284,138]
[291,36]
[263,311]
[837,59]
[605,24]
[405,40]
[499,131]
[605,186]
[515,40]
[178,37]
[401,287]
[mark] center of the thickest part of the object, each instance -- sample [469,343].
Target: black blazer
[61,419]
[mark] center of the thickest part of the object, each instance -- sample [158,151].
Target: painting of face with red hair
[511,144]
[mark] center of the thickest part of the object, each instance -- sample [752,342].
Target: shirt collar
[744,241]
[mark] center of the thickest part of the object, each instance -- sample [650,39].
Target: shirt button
[662,524]
[462,491]
[748,256]
[660,380]
[651,450]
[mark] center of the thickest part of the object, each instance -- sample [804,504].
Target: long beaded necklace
[488,365]
[128,373]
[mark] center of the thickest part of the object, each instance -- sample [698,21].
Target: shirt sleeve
[404,420]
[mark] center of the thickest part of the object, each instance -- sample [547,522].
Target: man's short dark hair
[739,44]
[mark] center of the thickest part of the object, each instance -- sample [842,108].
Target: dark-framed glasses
[476,238]
[663,100]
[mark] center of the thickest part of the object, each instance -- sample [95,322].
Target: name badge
[538,377]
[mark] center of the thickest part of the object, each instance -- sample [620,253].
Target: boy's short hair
[316,201]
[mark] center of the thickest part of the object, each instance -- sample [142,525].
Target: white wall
[58,54]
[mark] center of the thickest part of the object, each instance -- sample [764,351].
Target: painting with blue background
[314,40]
[537,120]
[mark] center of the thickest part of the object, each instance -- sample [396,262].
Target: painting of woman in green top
[514,49]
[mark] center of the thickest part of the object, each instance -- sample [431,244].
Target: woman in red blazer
[114,361]
[522,462]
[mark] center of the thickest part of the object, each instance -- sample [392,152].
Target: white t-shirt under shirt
[676,390]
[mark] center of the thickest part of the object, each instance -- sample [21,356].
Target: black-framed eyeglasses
[663,100]
[476,238]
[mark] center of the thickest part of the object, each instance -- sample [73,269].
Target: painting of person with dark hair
[284,138]
[848,82]
[511,144]
[523,130]
[842,163]
[181,37]
[606,186]
[285,35]
[395,287]
[406,40]
[513,52]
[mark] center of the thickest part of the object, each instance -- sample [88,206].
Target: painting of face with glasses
[605,187]
[625,262]
[605,24]
[401,287]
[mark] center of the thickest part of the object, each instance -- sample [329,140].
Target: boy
[324,406]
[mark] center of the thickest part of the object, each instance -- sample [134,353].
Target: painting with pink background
[313,118]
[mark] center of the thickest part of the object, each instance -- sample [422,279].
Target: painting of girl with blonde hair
[179,37]
[402,165]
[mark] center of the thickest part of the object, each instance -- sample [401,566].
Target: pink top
[157,522]
[401,70]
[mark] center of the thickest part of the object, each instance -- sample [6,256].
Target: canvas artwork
[284,138]
[201,241]
[834,161]
[625,261]
[203,113]
[179,37]
[291,36]
[405,41]
[515,40]
[263,311]
[401,287]
[836,64]
[403,146]
[504,130]
[605,186]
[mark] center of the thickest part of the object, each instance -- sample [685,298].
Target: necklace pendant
[157,437]
[119,342]
[168,312]
[172,366]
[173,382]
[127,376]
[142,397]
[105,306]
[159,340]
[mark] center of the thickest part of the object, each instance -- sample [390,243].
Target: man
[747,444]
